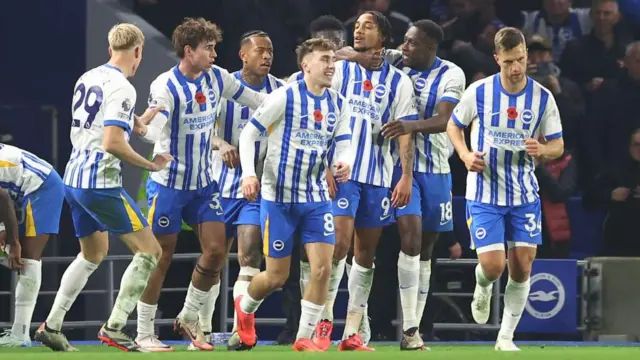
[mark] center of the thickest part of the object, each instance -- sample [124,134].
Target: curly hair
[193,32]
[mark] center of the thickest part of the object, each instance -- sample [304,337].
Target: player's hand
[620,194]
[160,161]
[393,129]
[474,161]
[402,192]
[229,155]
[148,115]
[331,184]
[455,251]
[14,255]
[533,147]
[342,171]
[370,58]
[250,188]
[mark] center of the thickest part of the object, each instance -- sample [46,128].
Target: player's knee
[277,278]
[94,256]
[492,271]
[214,254]
[321,273]
[252,258]
[341,249]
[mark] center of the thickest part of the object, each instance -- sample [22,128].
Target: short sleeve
[467,109]
[271,110]
[119,107]
[453,85]
[295,77]
[159,95]
[405,107]
[233,89]
[551,126]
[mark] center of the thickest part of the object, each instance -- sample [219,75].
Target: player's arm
[454,81]
[461,117]
[232,89]
[406,111]
[228,153]
[116,123]
[343,154]
[366,59]
[551,130]
[8,217]
[150,128]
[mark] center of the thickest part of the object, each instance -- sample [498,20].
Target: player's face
[203,56]
[513,63]
[417,48]
[337,37]
[257,55]
[366,34]
[320,65]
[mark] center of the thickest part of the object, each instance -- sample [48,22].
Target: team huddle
[357,140]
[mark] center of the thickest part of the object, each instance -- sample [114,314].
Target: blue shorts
[40,211]
[240,212]
[312,222]
[168,207]
[110,210]
[491,225]
[430,200]
[369,205]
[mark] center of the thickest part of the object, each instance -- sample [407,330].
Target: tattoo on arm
[406,153]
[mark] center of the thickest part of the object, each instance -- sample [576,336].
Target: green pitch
[476,352]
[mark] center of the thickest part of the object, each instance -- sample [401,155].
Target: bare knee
[410,229]
[321,272]
[520,263]
[277,278]
[493,268]
[344,235]
[214,255]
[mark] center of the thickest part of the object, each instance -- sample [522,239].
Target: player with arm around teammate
[190,94]
[300,120]
[438,85]
[31,197]
[103,117]
[508,113]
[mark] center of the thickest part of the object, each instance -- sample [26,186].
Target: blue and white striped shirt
[21,172]
[503,122]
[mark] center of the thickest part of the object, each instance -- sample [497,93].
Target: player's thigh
[374,210]
[524,224]
[248,235]
[143,241]
[43,207]
[486,226]
[232,208]
[84,223]
[278,226]
[436,202]
[347,199]
[204,207]
[165,208]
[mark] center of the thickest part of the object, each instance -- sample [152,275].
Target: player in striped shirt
[103,118]
[509,112]
[190,94]
[242,217]
[32,194]
[301,121]
[438,85]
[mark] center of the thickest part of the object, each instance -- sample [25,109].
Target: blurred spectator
[400,23]
[567,93]
[622,189]
[557,22]
[558,181]
[443,11]
[604,47]
[611,116]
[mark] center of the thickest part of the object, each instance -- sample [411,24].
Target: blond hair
[124,37]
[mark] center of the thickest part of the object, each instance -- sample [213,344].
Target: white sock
[408,278]
[146,319]
[249,305]
[347,267]
[515,299]
[134,281]
[239,288]
[423,288]
[482,280]
[360,281]
[305,275]
[29,279]
[337,271]
[309,317]
[205,315]
[73,281]
[193,303]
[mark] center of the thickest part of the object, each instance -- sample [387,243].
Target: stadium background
[48,44]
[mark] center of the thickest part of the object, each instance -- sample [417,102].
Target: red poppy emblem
[512,113]
[200,98]
[367,85]
[317,115]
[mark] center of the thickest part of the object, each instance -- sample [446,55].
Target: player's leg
[344,207]
[94,245]
[318,236]
[278,225]
[165,220]
[205,215]
[374,213]
[487,230]
[409,221]
[523,226]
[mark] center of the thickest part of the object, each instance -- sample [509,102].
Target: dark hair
[192,32]
[384,26]
[508,38]
[246,37]
[431,29]
[311,45]
[326,22]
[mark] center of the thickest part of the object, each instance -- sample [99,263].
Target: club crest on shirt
[420,84]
